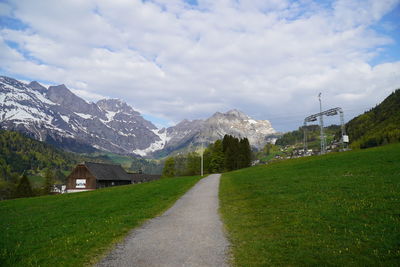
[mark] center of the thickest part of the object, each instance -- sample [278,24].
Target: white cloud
[5,10]
[177,61]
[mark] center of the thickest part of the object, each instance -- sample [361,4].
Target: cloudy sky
[175,59]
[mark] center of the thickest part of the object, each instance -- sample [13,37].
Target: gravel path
[188,234]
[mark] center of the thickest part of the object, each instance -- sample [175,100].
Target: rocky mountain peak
[187,122]
[10,81]
[236,112]
[231,114]
[61,95]
[37,87]
[116,105]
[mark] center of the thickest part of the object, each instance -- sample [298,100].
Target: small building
[59,189]
[91,176]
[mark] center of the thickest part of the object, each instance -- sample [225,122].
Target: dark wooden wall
[81,172]
[108,183]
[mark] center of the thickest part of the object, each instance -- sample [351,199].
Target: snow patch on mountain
[65,118]
[110,115]
[83,115]
[158,145]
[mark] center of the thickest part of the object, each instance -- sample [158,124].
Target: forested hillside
[21,155]
[378,126]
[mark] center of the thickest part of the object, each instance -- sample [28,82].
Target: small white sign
[80,183]
[345,138]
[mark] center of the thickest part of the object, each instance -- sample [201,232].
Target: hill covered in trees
[23,155]
[19,154]
[378,126]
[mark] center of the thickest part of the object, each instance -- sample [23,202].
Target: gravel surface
[189,234]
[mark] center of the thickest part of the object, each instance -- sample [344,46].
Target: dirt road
[188,234]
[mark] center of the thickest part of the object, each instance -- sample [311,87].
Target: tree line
[228,154]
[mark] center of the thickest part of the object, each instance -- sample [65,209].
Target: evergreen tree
[230,148]
[207,158]
[244,153]
[217,158]
[169,168]
[237,153]
[24,188]
[48,182]
[225,142]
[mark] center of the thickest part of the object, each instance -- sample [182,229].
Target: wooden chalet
[91,176]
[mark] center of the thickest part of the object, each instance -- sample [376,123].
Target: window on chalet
[80,183]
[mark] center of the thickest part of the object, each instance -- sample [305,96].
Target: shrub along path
[188,234]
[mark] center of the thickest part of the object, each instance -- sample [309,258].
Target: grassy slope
[73,229]
[337,209]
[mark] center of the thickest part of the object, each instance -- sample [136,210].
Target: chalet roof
[104,171]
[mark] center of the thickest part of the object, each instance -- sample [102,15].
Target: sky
[175,59]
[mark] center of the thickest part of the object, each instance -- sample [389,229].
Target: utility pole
[202,158]
[321,121]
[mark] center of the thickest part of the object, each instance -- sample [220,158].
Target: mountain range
[59,117]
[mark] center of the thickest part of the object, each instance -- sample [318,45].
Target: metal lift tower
[330,112]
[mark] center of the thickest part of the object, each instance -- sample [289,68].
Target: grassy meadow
[340,209]
[75,229]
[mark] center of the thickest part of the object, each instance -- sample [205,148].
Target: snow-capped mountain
[58,116]
[238,124]
[234,122]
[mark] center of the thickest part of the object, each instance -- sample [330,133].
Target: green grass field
[75,229]
[340,209]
